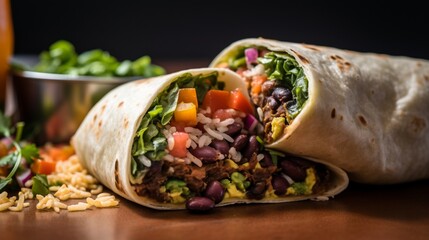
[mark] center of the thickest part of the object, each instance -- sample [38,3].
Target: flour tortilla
[104,140]
[366,113]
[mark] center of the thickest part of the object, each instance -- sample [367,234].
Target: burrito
[191,140]
[363,112]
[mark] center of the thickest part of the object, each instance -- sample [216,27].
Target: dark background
[188,30]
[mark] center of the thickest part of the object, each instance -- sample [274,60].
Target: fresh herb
[62,58]
[149,140]
[13,158]
[40,185]
[284,69]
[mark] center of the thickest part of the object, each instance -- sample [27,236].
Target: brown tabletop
[360,212]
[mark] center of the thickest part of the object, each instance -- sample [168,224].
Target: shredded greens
[149,142]
[284,69]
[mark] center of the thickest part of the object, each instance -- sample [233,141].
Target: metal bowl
[53,105]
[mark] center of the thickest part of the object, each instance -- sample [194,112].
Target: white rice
[255,71]
[168,157]
[195,160]
[222,129]
[170,142]
[213,133]
[234,155]
[288,179]
[259,157]
[260,114]
[188,143]
[193,131]
[226,122]
[203,119]
[146,161]
[227,137]
[193,145]
[204,140]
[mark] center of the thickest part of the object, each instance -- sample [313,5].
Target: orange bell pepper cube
[186,112]
[216,99]
[188,95]
[60,153]
[239,102]
[40,166]
[179,149]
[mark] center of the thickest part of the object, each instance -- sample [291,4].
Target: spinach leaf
[284,69]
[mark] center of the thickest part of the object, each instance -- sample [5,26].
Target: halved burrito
[365,113]
[190,140]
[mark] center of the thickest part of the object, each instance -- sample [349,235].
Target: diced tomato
[223,114]
[188,95]
[186,113]
[179,149]
[40,166]
[239,102]
[216,99]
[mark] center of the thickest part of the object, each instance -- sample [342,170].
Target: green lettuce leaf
[284,69]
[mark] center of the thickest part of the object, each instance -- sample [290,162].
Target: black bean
[267,87]
[272,103]
[266,161]
[221,145]
[215,191]
[293,170]
[200,204]
[282,94]
[257,190]
[280,184]
[205,153]
[240,142]
[233,129]
[251,148]
[304,163]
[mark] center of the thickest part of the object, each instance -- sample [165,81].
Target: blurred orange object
[6,47]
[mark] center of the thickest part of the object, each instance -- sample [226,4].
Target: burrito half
[365,113]
[190,140]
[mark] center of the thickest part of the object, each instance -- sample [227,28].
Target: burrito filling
[277,85]
[200,143]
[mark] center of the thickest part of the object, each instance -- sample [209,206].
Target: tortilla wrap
[366,113]
[104,140]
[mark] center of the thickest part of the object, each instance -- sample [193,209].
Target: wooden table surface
[360,212]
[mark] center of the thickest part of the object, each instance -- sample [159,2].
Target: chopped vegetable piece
[179,149]
[216,99]
[239,102]
[40,166]
[187,113]
[188,95]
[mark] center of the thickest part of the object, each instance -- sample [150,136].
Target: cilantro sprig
[14,158]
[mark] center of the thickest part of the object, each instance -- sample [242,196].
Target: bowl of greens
[53,95]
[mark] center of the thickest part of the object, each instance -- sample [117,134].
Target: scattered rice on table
[69,181]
